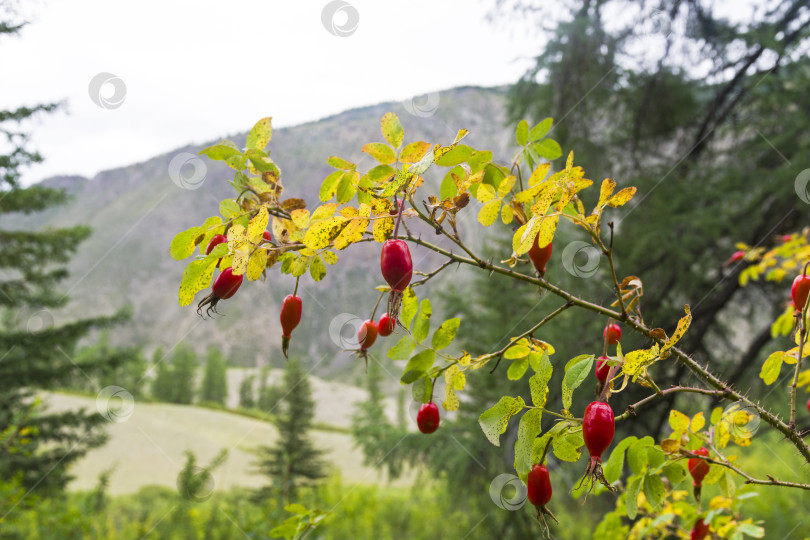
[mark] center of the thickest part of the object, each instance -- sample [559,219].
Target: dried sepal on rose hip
[598,426]
[223,288]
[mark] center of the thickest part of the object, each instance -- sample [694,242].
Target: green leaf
[445,334]
[522,133]
[221,151]
[459,154]
[655,457]
[631,499]
[317,268]
[726,484]
[229,208]
[422,389]
[400,179]
[519,349]
[198,274]
[517,369]
[421,327]
[749,529]
[330,185]
[260,134]
[495,420]
[183,243]
[548,149]
[409,307]
[637,454]
[528,429]
[538,383]
[576,370]
[403,349]
[448,188]
[540,130]
[772,367]
[345,188]
[675,471]
[381,172]
[612,468]
[418,365]
[296,508]
[381,152]
[654,490]
[392,129]
[340,163]
[568,446]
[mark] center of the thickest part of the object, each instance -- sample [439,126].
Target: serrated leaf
[421,327]
[528,430]
[540,130]
[450,156]
[576,370]
[495,420]
[489,212]
[381,152]
[403,349]
[538,174]
[726,484]
[383,228]
[525,235]
[678,421]
[680,330]
[346,187]
[256,264]
[517,369]
[320,234]
[409,307]
[654,490]
[717,415]
[485,193]
[506,185]
[354,231]
[622,197]
[538,383]
[548,227]
[522,133]
[184,243]
[675,471]
[317,268]
[257,225]
[631,498]
[229,209]
[324,211]
[418,365]
[612,468]
[260,134]
[637,454]
[445,334]
[392,129]
[547,149]
[221,151]
[340,163]
[772,367]
[568,446]
[422,389]
[414,151]
[198,274]
[329,186]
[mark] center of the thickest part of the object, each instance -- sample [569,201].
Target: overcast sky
[196,71]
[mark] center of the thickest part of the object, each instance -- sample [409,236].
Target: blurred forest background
[203,431]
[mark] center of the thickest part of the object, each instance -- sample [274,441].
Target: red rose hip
[799,291]
[427,419]
[598,427]
[602,369]
[612,333]
[396,264]
[223,288]
[540,256]
[290,317]
[216,240]
[367,334]
[700,530]
[539,485]
[698,468]
[386,325]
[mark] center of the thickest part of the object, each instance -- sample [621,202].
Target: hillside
[136,210]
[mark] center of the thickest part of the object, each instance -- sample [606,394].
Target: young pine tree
[214,387]
[293,461]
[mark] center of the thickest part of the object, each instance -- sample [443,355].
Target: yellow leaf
[544,202]
[680,330]
[636,362]
[330,257]
[721,435]
[622,197]
[546,233]
[538,174]
[392,129]
[196,277]
[353,232]
[489,212]
[698,421]
[256,264]
[528,194]
[322,212]
[605,191]
[257,225]
[465,359]
[719,502]
[525,235]
[321,233]
[240,260]
[506,185]
[485,193]
[670,446]
[300,217]
[677,420]
[381,206]
[569,162]
[383,228]
[507,214]
[454,380]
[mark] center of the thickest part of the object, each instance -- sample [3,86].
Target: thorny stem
[701,372]
[430,274]
[771,481]
[631,409]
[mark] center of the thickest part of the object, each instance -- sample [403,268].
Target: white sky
[199,70]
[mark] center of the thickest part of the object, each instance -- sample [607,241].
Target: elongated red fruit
[602,368]
[598,427]
[386,325]
[267,236]
[396,264]
[290,317]
[699,468]
[223,288]
[367,334]
[427,419]
[612,333]
[216,240]
[700,530]
[800,290]
[539,485]
[540,256]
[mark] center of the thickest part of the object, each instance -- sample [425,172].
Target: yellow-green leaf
[454,379]
[256,264]
[635,362]
[772,367]
[383,229]
[353,232]
[317,269]
[507,214]
[528,430]
[300,217]
[346,188]
[539,174]
[323,212]
[506,185]
[494,420]
[680,330]
[183,243]
[381,152]
[445,334]
[260,134]
[678,421]
[322,233]
[340,163]
[198,274]
[489,212]
[485,193]
[525,235]
[392,129]
[257,225]
[622,197]
[414,151]
[697,423]
[329,186]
